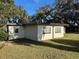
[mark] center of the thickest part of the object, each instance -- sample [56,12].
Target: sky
[31,6]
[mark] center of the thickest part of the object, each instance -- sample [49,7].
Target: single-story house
[36,32]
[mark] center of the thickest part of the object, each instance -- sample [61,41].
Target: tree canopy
[44,15]
[8,9]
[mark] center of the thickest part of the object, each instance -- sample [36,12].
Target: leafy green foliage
[3,35]
[8,8]
[69,11]
[44,15]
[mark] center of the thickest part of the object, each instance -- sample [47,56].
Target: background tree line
[8,9]
[65,11]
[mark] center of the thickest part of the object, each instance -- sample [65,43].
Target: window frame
[16,30]
[57,29]
[46,30]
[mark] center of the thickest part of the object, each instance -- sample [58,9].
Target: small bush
[3,35]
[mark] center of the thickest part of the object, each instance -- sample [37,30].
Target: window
[57,29]
[46,30]
[16,30]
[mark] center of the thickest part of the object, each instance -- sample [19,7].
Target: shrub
[3,35]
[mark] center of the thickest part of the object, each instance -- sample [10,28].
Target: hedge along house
[36,32]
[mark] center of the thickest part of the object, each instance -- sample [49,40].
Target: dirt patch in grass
[2,44]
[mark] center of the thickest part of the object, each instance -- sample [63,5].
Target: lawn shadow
[61,44]
[74,43]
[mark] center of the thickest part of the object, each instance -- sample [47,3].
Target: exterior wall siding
[36,32]
[40,32]
[30,32]
[13,35]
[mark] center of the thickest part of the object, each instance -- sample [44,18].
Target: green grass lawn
[66,48]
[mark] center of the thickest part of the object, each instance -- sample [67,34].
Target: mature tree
[8,9]
[70,12]
[68,9]
[44,15]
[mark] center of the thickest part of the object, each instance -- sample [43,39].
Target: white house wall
[13,35]
[61,34]
[35,32]
[30,32]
